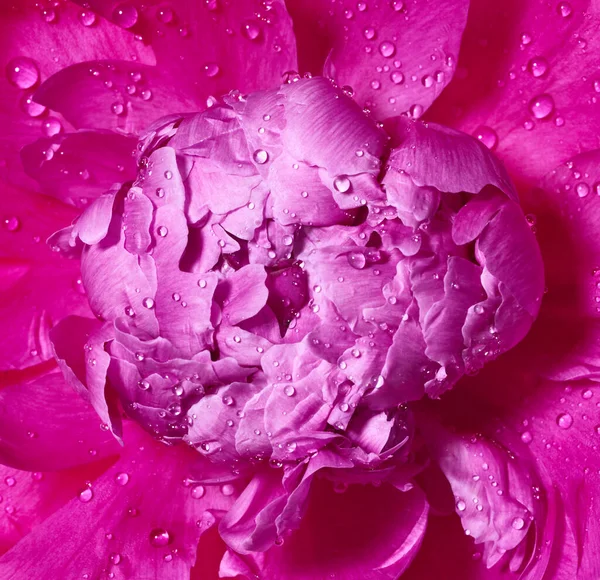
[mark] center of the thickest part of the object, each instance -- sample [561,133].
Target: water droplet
[22,72]
[288,240]
[251,30]
[116,558]
[10,481]
[30,107]
[159,538]
[168,174]
[211,69]
[228,400]
[146,94]
[122,478]
[12,223]
[582,189]
[165,15]
[140,356]
[416,111]
[198,491]
[461,506]
[397,5]
[144,385]
[538,66]
[526,437]
[289,391]
[87,18]
[148,303]
[564,420]
[261,156]
[202,283]
[387,49]
[397,77]
[518,523]
[51,126]
[227,489]
[86,495]
[564,9]
[357,260]
[162,231]
[487,136]
[160,192]
[342,183]
[587,394]
[125,15]
[541,106]
[427,81]
[369,33]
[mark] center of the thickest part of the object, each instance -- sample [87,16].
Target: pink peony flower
[282,327]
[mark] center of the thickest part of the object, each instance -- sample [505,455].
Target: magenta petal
[137,519]
[530,55]
[244,292]
[78,167]
[378,50]
[45,425]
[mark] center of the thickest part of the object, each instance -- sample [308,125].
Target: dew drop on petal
[159,537]
[582,189]
[564,9]
[387,49]
[526,437]
[541,106]
[22,72]
[198,491]
[211,69]
[227,489]
[487,136]
[397,77]
[122,478]
[30,107]
[251,30]
[564,420]
[87,18]
[461,506]
[260,156]
[289,391]
[51,126]
[518,523]
[342,183]
[86,495]
[538,66]
[125,15]
[357,260]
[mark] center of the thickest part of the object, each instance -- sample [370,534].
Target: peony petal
[78,167]
[513,56]
[136,519]
[45,425]
[396,57]
[38,286]
[52,46]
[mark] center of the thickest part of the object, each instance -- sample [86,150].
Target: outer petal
[52,46]
[397,56]
[37,286]
[364,532]
[136,519]
[512,54]
[45,425]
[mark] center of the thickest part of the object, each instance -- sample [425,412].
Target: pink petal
[245,293]
[78,167]
[45,425]
[362,532]
[28,498]
[397,57]
[137,519]
[38,286]
[24,32]
[226,46]
[512,56]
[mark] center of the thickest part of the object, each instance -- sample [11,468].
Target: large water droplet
[357,260]
[211,69]
[342,183]
[198,491]
[582,189]
[159,537]
[261,156]
[564,420]
[51,126]
[86,495]
[526,437]
[518,523]
[397,77]
[487,136]
[165,15]
[227,489]
[22,72]
[541,106]
[125,15]
[12,224]
[87,18]
[122,478]
[29,106]
[148,303]
[461,506]
[538,66]
[564,9]
[251,30]
[289,391]
[387,49]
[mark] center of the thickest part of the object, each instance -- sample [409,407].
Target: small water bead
[197,491]
[559,121]
[30,107]
[165,15]
[342,183]
[202,283]
[528,125]
[427,81]
[51,126]
[564,420]
[461,506]
[87,18]
[369,33]
[148,303]
[541,106]
[588,394]
[162,231]
[397,5]
[22,72]
[227,489]
[228,400]
[416,111]
[122,478]
[518,523]
[260,156]
[564,9]
[582,189]
[86,495]
[140,356]
[538,66]
[146,94]
[159,538]
[357,260]
[168,174]
[144,385]
[387,49]
[251,30]
[375,85]
[526,437]
[10,481]
[12,224]
[487,136]
[289,391]
[116,558]
[125,15]
[397,77]
[525,39]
